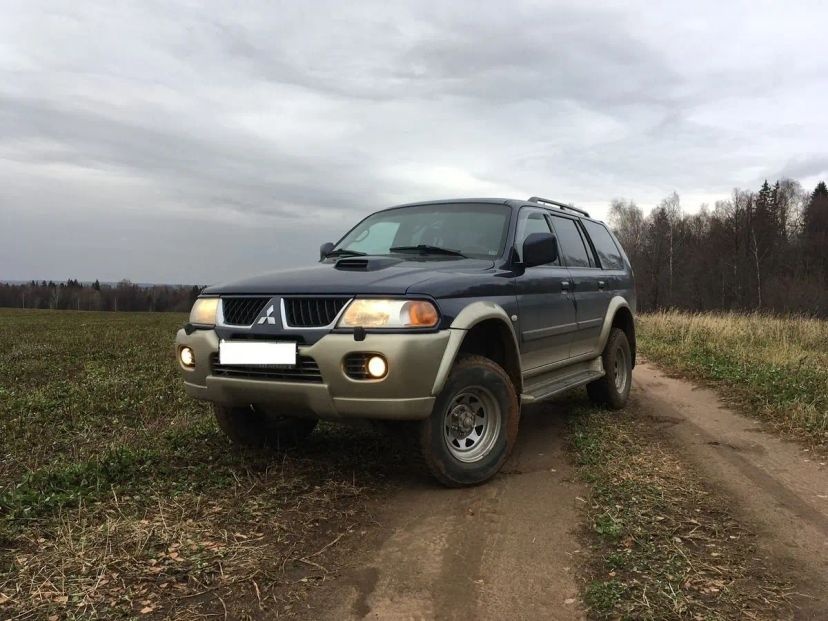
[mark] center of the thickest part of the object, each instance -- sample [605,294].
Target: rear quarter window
[608,253]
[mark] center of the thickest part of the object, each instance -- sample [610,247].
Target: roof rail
[538,199]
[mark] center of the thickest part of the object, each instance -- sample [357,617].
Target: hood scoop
[365,264]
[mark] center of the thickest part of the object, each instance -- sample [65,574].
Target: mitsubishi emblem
[268,317]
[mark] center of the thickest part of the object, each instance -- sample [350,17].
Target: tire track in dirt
[506,549]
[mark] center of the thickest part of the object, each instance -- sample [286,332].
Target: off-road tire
[248,426]
[606,391]
[470,374]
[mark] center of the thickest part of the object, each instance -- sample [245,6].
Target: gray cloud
[806,167]
[197,142]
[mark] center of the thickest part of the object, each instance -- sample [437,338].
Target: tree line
[764,250]
[74,295]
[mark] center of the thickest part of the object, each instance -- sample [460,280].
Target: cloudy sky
[198,141]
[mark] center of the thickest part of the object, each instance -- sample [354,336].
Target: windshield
[474,230]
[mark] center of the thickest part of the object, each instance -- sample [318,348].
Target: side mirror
[540,249]
[324,250]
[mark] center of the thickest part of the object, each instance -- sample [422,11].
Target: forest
[97,296]
[764,250]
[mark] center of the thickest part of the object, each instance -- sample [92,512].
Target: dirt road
[487,552]
[509,549]
[776,487]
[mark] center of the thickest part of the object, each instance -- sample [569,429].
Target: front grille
[242,311]
[312,312]
[356,366]
[306,370]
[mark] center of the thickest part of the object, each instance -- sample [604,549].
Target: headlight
[365,313]
[204,311]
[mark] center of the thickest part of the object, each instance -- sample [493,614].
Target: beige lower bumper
[405,393]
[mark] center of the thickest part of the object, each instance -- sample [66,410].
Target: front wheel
[257,427]
[613,389]
[473,425]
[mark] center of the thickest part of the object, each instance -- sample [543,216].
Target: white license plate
[256,352]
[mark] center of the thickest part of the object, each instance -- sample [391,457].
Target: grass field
[773,368]
[119,496]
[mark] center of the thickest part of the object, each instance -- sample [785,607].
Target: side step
[541,387]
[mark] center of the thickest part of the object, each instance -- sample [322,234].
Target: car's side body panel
[547,320]
[591,303]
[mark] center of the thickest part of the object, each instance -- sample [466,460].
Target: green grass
[603,596]
[73,383]
[775,368]
[661,545]
[119,494]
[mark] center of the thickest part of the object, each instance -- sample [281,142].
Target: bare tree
[54,298]
[627,220]
[671,206]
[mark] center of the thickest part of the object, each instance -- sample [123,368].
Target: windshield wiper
[344,252]
[427,249]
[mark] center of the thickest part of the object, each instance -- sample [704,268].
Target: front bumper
[405,393]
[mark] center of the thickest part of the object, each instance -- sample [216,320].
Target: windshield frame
[508,225]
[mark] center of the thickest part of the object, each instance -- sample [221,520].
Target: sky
[196,142]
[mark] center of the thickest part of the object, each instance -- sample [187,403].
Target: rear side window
[608,252]
[570,242]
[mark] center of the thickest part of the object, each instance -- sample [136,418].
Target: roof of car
[511,202]
[498,201]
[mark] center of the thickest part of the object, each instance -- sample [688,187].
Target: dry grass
[776,368]
[180,556]
[663,546]
[119,497]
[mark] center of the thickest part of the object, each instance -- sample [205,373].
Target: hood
[352,275]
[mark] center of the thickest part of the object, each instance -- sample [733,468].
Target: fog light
[187,357]
[377,367]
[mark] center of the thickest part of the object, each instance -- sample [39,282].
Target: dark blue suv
[445,315]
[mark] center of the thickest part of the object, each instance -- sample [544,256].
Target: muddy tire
[612,390]
[248,426]
[473,426]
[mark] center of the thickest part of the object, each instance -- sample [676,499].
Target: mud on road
[511,548]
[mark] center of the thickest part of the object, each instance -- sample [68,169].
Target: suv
[444,316]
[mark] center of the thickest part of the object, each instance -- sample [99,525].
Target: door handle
[564,286]
[601,285]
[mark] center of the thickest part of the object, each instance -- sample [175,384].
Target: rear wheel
[613,389]
[473,425]
[257,427]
